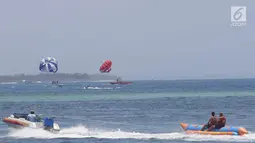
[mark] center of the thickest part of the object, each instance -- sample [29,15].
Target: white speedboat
[18,120]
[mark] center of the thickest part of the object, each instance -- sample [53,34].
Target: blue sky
[161,39]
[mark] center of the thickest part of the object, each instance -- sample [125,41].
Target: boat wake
[83,132]
[99,88]
[9,82]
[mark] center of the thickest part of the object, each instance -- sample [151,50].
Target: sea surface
[144,112]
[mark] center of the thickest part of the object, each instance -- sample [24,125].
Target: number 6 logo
[238,14]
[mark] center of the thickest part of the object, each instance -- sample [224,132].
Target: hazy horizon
[145,39]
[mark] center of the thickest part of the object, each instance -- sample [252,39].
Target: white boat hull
[19,123]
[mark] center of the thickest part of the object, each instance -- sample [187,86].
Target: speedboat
[119,81]
[19,121]
[229,130]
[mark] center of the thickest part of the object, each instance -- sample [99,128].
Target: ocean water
[146,111]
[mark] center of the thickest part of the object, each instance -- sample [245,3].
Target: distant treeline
[56,77]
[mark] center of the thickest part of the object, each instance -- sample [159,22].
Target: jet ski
[18,121]
[86,87]
[56,84]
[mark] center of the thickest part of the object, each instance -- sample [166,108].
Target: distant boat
[38,81]
[57,84]
[119,81]
[26,82]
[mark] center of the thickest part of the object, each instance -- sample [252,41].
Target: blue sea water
[146,111]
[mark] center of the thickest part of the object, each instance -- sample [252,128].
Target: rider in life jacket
[211,123]
[221,121]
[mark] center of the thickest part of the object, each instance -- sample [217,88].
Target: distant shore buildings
[46,77]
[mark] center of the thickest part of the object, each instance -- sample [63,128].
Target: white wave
[83,132]
[97,88]
[102,81]
[9,83]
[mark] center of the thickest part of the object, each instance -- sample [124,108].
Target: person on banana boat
[221,121]
[211,123]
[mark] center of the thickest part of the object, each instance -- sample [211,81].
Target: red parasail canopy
[106,67]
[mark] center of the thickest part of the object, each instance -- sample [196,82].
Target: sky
[145,39]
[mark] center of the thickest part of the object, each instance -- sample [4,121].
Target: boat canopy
[20,115]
